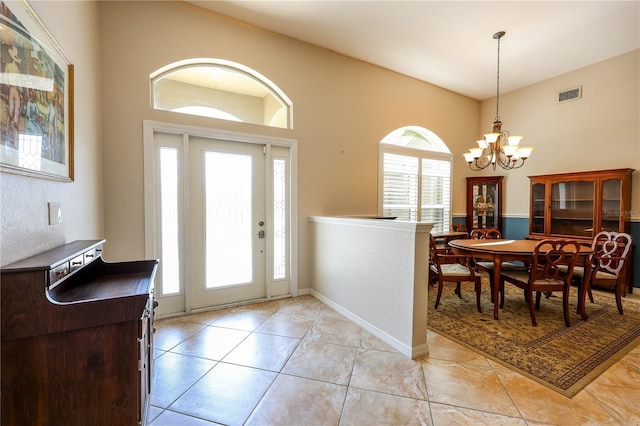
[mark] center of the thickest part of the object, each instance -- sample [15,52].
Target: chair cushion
[523,276]
[601,275]
[506,266]
[454,269]
[517,275]
[548,281]
[578,271]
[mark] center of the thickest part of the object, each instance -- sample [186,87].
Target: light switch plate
[55,213]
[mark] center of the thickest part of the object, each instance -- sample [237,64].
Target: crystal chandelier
[497,147]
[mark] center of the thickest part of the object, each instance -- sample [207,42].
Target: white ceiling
[450,43]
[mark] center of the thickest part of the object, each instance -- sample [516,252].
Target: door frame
[151,216]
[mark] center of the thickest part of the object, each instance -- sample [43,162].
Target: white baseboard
[410,352]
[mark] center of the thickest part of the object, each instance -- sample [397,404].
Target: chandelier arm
[482,162]
[521,160]
[501,160]
[473,167]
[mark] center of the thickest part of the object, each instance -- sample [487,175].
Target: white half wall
[375,272]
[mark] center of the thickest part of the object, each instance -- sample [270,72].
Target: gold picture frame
[36,97]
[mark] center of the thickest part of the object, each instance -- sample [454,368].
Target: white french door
[227,222]
[218,214]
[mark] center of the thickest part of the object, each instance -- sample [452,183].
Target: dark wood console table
[76,338]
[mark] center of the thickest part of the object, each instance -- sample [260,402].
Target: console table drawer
[58,273]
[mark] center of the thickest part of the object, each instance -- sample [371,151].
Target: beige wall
[342,109]
[23,200]
[599,131]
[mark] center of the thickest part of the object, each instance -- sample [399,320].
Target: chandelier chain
[499,36]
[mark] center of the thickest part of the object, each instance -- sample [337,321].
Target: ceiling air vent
[570,94]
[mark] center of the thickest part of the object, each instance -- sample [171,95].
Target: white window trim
[222,63]
[149,127]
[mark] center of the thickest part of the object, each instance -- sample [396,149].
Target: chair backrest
[485,234]
[555,259]
[458,227]
[433,250]
[610,251]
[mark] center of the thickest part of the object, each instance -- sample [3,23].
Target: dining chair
[444,237]
[610,253]
[487,265]
[485,234]
[458,227]
[447,267]
[545,274]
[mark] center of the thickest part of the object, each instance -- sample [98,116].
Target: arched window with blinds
[415,177]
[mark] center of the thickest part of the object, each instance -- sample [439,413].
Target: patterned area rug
[565,359]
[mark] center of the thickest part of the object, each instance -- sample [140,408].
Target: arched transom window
[220,89]
[414,179]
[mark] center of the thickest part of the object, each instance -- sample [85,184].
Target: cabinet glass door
[485,200]
[572,208]
[537,208]
[611,205]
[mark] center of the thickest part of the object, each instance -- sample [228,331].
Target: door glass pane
[572,207]
[170,265]
[279,219]
[228,219]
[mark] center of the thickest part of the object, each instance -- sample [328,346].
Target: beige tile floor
[298,362]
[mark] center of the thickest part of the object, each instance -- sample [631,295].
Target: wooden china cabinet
[579,205]
[484,202]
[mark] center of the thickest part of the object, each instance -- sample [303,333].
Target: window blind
[436,193]
[417,188]
[400,194]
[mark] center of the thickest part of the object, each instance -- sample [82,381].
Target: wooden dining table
[500,250]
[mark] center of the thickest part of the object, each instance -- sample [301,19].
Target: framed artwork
[484,202]
[36,97]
